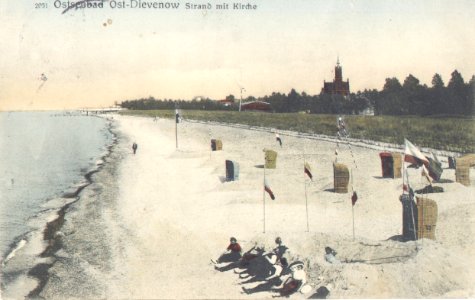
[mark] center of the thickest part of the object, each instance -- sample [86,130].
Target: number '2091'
[41,5]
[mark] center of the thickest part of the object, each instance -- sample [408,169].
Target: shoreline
[52,234]
[76,241]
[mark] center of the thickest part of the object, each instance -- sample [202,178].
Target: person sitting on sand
[233,252]
[330,256]
[251,254]
[273,257]
[269,265]
[271,282]
[263,268]
[280,249]
[241,266]
[276,256]
[232,257]
[296,281]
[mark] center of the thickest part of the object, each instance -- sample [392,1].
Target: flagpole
[404,177]
[353,214]
[306,204]
[405,182]
[412,211]
[176,128]
[264,197]
[404,174]
[352,205]
[305,184]
[422,214]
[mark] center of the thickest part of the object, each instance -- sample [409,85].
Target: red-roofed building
[256,106]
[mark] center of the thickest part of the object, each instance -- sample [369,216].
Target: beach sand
[151,222]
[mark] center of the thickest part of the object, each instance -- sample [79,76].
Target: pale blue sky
[183,53]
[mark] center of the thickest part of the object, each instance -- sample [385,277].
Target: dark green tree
[293,101]
[390,100]
[438,94]
[415,100]
[457,92]
[277,101]
[471,95]
[456,81]
[437,81]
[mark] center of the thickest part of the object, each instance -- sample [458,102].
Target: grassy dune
[443,133]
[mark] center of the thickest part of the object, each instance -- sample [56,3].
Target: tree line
[412,98]
[409,98]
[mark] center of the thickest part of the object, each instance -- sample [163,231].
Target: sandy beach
[150,223]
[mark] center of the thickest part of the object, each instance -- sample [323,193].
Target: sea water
[43,157]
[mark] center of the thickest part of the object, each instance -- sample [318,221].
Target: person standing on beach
[134,147]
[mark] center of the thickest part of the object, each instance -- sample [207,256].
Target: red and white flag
[413,155]
[268,190]
[307,170]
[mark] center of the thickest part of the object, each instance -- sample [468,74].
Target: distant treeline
[408,98]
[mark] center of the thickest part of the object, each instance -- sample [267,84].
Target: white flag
[413,155]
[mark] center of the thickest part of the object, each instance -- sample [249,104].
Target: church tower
[338,86]
[338,72]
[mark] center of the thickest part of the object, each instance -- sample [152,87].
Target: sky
[95,57]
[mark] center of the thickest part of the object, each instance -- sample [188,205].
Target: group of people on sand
[271,269]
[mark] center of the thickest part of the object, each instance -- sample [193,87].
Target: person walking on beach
[134,147]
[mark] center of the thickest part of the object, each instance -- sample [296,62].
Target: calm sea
[43,155]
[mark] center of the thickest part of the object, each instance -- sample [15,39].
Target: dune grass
[455,134]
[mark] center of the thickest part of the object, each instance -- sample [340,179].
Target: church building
[338,86]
